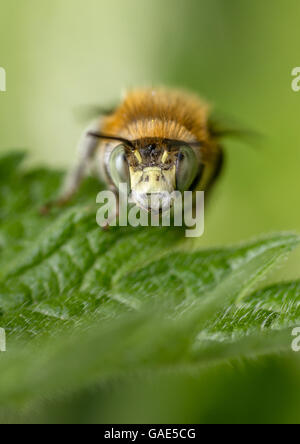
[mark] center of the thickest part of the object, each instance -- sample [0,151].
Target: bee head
[153,169]
[152,176]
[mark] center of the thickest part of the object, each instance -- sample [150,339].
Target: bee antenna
[107,137]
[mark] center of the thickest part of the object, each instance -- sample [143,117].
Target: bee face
[153,169]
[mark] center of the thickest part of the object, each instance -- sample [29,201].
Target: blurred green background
[60,55]
[63,54]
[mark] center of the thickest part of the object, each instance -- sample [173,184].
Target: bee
[156,141]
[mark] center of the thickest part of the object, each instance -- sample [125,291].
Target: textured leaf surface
[82,306]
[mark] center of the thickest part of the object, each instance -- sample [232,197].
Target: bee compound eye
[186,168]
[118,166]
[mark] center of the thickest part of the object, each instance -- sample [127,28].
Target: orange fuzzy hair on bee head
[159,113]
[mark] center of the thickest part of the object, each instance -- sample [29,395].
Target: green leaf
[273,308]
[82,306]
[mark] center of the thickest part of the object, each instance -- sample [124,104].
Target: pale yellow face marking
[135,177]
[153,180]
[165,157]
[138,156]
[152,187]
